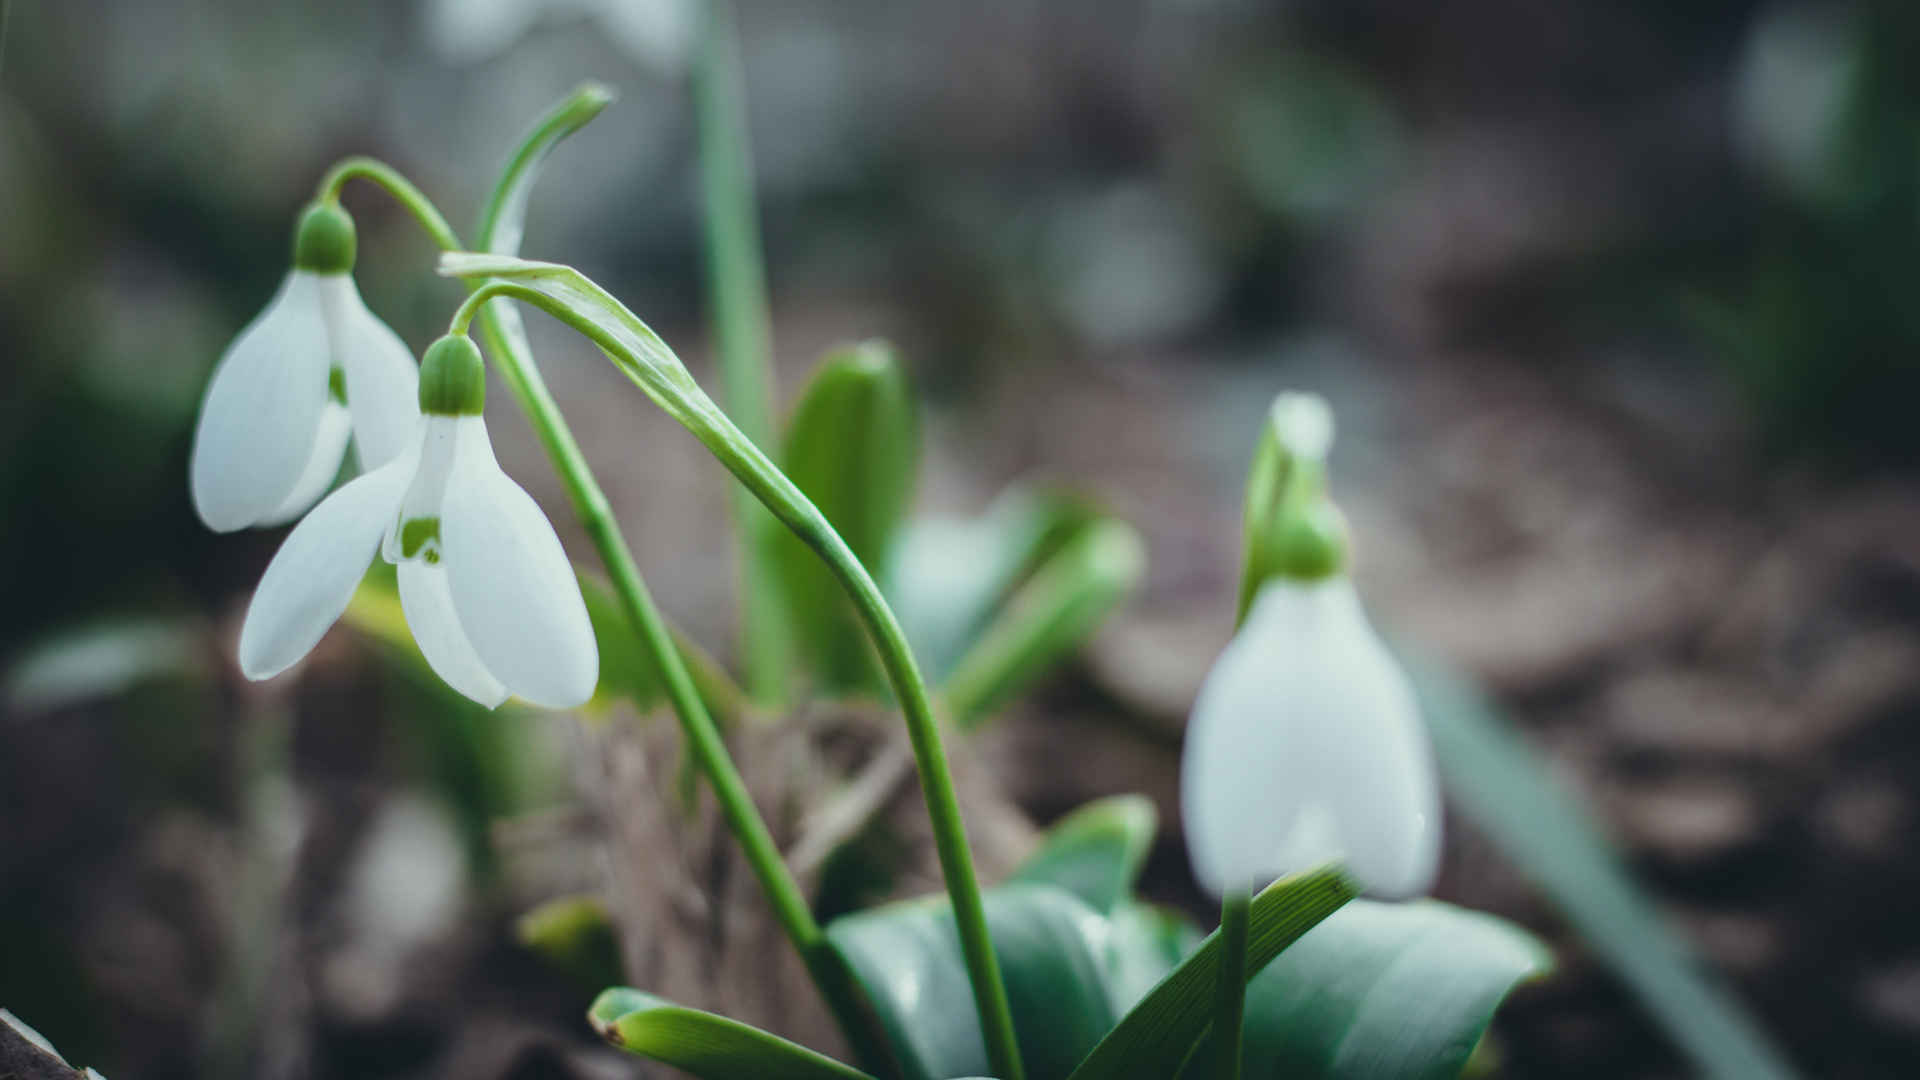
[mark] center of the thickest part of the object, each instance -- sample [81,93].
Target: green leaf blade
[706,1045]
[1051,952]
[1161,1031]
[851,447]
[1383,992]
[1096,852]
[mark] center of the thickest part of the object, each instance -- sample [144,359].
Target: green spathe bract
[324,242]
[453,381]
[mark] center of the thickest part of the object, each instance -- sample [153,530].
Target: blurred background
[1613,301]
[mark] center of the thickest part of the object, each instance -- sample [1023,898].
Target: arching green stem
[647,360]
[412,198]
[504,340]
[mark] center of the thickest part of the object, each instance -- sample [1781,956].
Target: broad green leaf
[1050,946]
[1382,992]
[576,935]
[705,1045]
[1096,852]
[851,446]
[1049,617]
[1506,790]
[948,575]
[1158,1034]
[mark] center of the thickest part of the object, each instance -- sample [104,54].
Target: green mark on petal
[337,385]
[421,537]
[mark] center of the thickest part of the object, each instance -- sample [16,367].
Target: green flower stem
[412,198]
[737,288]
[685,402]
[590,503]
[1230,1004]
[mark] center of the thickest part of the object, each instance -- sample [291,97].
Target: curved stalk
[507,343]
[411,198]
[683,399]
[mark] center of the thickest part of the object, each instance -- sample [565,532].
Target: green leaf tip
[1096,851]
[852,447]
[704,1044]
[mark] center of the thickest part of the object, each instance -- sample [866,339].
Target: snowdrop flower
[313,369]
[486,588]
[1305,745]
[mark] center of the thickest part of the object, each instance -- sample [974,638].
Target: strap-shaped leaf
[851,447]
[707,1046]
[1160,1032]
[1096,852]
[1498,782]
[1049,617]
[1381,992]
[1051,951]
[947,576]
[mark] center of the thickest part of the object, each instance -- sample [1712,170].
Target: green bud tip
[453,382]
[1309,545]
[324,243]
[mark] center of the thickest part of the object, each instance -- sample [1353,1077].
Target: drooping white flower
[485,585]
[314,369]
[1306,746]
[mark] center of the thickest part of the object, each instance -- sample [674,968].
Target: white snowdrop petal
[383,382]
[329,448]
[255,435]
[312,576]
[513,587]
[1305,745]
[436,629]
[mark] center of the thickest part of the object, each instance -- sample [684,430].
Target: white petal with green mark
[512,585]
[383,383]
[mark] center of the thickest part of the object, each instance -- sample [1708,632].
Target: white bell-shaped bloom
[314,369]
[486,587]
[1305,746]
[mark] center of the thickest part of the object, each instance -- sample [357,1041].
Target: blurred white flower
[313,369]
[486,587]
[658,33]
[1305,746]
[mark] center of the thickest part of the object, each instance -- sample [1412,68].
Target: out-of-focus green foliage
[852,446]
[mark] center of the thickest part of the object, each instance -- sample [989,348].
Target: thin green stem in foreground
[737,295]
[595,513]
[643,357]
[1230,1004]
